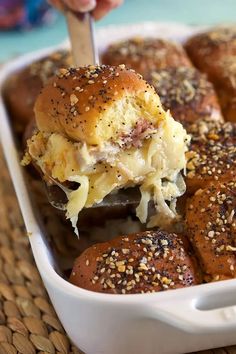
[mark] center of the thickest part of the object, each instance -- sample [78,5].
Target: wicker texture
[28,323]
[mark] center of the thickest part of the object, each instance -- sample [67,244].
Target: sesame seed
[211,233]
[73,99]
[164,242]
[221,248]
[165,280]
[230,248]
[142,266]
[121,268]
[63,71]
[231,216]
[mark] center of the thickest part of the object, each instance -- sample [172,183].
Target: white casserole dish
[176,321]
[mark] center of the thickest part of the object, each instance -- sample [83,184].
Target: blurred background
[27,25]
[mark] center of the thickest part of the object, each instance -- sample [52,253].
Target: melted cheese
[155,167]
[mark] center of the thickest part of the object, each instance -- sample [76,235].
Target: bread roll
[186,93]
[211,226]
[97,104]
[225,83]
[104,128]
[139,263]
[23,87]
[214,52]
[212,154]
[207,48]
[146,54]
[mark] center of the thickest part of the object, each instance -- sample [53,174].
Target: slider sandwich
[104,128]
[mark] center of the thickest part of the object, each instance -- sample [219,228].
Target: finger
[81,5]
[75,5]
[104,6]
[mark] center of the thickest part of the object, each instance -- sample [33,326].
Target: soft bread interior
[122,116]
[117,119]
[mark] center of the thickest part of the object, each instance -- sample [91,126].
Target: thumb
[81,5]
[75,5]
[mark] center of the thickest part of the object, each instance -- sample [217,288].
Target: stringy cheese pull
[77,200]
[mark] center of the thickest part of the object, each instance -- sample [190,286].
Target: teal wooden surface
[132,11]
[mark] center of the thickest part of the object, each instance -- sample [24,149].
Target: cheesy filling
[155,166]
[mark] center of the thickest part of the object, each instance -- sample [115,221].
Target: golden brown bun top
[212,153]
[225,77]
[39,72]
[180,85]
[211,221]
[49,65]
[186,92]
[146,54]
[96,104]
[221,38]
[144,262]
[23,87]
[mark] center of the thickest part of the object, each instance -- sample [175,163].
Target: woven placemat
[28,322]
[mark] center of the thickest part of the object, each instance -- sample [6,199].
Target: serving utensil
[81,34]
[58,196]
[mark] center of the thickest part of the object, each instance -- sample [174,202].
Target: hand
[99,8]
